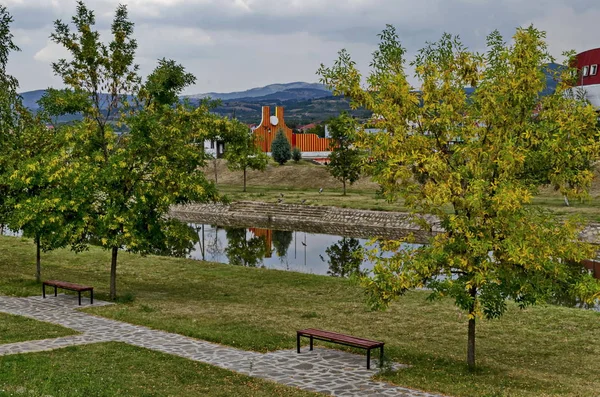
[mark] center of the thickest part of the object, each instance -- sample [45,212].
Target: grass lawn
[541,351]
[302,182]
[19,329]
[117,369]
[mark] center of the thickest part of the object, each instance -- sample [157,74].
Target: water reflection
[345,257]
[285,250]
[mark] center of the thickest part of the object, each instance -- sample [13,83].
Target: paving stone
[322,370]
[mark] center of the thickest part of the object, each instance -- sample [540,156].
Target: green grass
[116,369]
[541,351]
[302,182]
[19,329]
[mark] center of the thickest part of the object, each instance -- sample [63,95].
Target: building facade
[311,145]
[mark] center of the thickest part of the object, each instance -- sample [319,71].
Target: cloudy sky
[233,45]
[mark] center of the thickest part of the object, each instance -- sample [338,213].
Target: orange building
[270,125]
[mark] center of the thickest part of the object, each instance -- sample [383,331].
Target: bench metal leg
[311,343]
[44,291]
[381,357]
[368,358]
[298,343]
[55,293]
[79,295]
[92,300]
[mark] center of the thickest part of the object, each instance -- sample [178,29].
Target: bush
[281,149]
[296,154]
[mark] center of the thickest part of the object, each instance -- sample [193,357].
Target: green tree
[242,153]
[345,158]
[244,251]
[318,130]
[11,109]
[474,162]
[345,258]
[45,199]
[296,155]
[131,179]
[281,150]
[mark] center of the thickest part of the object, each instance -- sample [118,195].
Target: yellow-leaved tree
[471,146]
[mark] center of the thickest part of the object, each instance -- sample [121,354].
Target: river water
[297,251]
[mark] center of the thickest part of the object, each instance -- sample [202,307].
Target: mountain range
[304,102]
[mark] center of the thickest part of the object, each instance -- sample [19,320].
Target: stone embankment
[317,219]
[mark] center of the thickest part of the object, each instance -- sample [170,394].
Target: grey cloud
[229,46]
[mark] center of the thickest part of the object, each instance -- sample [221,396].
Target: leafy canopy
[475,163]
[345,158]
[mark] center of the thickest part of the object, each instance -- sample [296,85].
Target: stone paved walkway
[322,370]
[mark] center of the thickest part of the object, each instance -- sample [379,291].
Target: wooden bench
[341,339]
[70,286]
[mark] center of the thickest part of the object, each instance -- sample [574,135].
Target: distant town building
[312,146]
[589,78]
[214,148]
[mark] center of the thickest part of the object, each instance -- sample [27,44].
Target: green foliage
[281,241]
[11,109]
[345,258]
[345,158]
[241,151]
[128,182]
[167,82]
[244,251]
[483,157]
[296,154]
[281,150]
[318,130]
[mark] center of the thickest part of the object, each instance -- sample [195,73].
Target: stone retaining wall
[317,219]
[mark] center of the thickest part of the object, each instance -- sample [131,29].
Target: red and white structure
[588,63]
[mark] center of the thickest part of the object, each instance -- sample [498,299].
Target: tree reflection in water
[244,251]
[345,257]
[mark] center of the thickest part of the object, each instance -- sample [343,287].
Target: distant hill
[263,91]
[30,98]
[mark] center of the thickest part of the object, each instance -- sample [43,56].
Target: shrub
[296,154]
[281,149]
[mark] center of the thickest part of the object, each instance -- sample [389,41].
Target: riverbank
[321,219]
[552,350]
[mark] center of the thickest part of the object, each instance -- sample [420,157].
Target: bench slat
[67,285]
[337,337]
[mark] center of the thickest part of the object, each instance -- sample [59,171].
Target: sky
[234,45]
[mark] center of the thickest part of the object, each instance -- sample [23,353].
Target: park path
[327,371]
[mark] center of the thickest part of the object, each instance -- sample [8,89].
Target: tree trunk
[471,339]
[344,182]
[566,200]
[113,273]
[38,262]
[244,180]
[215,164]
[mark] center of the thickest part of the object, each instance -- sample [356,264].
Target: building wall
[266,131]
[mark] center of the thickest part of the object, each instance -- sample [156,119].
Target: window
[212,144]
[586,70]
[593,70]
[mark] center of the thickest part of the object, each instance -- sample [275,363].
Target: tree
[296,155]
[281,149]
[131,179]
[11,108]
[345,158]
[46,201]
[475,162]
[345,258]
[242,152]
[318,130]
